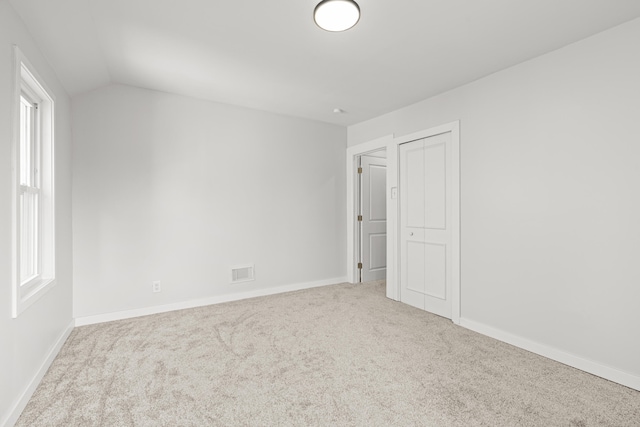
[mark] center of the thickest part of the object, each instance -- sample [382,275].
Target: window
[33,207]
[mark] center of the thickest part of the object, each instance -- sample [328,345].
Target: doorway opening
[353,156]
[370,222]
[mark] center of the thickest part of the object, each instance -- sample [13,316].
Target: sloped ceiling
[270,55]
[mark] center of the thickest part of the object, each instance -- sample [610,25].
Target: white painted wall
[550,205]
[177,189]
[26,342]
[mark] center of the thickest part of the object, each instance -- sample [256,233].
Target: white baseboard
[128,314]
[22,401]
[603,371]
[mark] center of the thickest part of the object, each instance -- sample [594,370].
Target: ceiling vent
[242,273]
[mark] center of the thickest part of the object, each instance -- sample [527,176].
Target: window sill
[31,292]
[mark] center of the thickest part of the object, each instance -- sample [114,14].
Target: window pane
[29,235]
[26,141]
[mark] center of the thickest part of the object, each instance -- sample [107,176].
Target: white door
[373,205]
[426,193]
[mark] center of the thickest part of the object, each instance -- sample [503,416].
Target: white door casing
[428,241]
[373,208]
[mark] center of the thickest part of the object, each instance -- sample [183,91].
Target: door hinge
[360,265]
[360,218]
[359,170]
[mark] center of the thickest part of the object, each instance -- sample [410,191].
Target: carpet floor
[341,355]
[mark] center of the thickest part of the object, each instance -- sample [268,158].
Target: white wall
[176,189]
[26,342]
[550,196]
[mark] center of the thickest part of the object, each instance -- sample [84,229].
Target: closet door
[425,224]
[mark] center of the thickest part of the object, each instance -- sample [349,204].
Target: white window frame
[40,184]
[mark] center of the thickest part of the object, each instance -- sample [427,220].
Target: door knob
[411,234]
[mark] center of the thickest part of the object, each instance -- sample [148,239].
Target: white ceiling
[268,54]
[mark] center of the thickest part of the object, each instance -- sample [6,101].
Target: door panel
[435,186]
[377,191]
[378,257]
[415,186]
[425,237]
[435,270]
[374,218]
[414,279]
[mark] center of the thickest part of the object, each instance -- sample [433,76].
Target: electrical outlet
[156,286]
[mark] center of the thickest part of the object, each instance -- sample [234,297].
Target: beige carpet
[340,355]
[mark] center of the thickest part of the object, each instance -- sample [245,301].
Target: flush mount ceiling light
[336,15]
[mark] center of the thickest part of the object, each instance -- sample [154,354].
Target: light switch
[394,192]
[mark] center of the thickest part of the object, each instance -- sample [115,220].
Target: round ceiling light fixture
[336,15]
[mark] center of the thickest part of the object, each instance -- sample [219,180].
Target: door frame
[353,153]
[454,129]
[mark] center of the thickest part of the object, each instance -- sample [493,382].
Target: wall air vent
[242,273]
